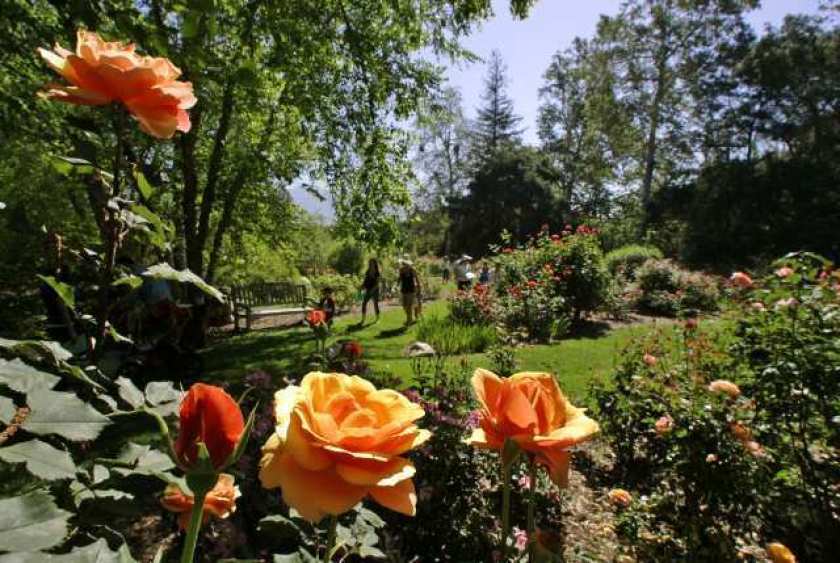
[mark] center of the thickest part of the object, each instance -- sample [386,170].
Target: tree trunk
[651,144]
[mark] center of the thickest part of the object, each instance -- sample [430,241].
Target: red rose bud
[209,416]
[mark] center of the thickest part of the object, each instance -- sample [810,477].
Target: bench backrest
[263,294]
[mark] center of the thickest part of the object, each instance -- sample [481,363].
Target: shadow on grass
[390,333]
[589,329]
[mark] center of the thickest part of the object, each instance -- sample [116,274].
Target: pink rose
[520,539]
[649,359]
[525,482]
[784,272]
[664,425]
[740,279]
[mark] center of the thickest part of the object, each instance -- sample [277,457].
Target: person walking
[463,275]
[409,287]
[370,287]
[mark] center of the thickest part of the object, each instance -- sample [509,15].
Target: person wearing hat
[463,275]
[409,289]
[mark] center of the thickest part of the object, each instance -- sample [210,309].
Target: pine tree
[496,124]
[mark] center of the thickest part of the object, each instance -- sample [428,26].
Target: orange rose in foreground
[779,553]
[102,72]
[530,409]
[219,502]
[316,317]
[208,415]
[338,440]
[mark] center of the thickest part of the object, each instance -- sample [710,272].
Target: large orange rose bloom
[339,439]
[530,409]
[219,502]
[209,415]
[102,72]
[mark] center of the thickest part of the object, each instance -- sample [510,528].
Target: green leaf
[63,414]
[164,271]
[31,522]
[130,393]
[143,185]
[63,290]
[7,410]
[97,552]
[41,459]
[23,378]
[69,166]
[133,282]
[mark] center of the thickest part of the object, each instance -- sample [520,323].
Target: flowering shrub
[549,278]
[472,307]
[675,440]
[732,432]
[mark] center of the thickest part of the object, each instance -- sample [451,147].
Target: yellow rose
[530,409]
[338,440]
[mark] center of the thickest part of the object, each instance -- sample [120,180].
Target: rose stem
[532,488]
[506,469]
[194,528]
[331,539]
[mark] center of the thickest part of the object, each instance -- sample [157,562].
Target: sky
[526,47]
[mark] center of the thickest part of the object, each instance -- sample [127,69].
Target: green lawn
[575,361]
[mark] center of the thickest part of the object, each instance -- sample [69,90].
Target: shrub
[665,289]
[472,307]
[658,275]
[674,442]
[449,338]
[627,259]
[346,288]
[567,268]
[719,471]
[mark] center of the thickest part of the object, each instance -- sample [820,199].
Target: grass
[575,361]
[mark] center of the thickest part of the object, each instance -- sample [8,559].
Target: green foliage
[348,259]
[666,289]
[451,338]
[761,461]
[346,288]
[513,192]
[552,278]
[626,259]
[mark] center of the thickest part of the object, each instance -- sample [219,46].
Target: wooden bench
[267,299]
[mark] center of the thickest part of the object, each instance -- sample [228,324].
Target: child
[327,304]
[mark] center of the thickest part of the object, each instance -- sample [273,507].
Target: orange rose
[530,409]
[620,497]
[779,553]
[724,386]
[339,439]
[101,72]
[219,502]
[210,416]
[742,280]
[316,317]
[741,432]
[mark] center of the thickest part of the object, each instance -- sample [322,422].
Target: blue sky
[527,45]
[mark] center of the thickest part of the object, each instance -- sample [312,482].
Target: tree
[496,123]
[656,51]
[514,191]
[580,150]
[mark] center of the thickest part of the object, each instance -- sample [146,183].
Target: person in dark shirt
[327,304]
[409,287]
[370,287]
